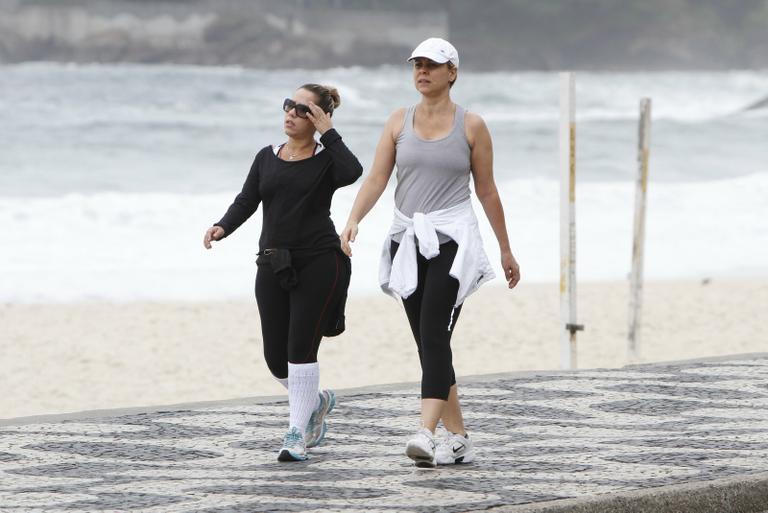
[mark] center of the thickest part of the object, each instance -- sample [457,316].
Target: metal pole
[568,222]
[638,241]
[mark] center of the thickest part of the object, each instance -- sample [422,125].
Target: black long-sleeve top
[296,196]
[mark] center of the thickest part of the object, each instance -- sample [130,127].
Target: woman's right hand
[213,233]
[348,235]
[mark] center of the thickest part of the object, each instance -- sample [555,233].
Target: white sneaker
[455,448]
[294,448]
[421,448]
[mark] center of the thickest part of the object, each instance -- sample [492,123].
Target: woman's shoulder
[397,116]
[474,127]
[261,157]
[396,122]
[266,150]
[473,120]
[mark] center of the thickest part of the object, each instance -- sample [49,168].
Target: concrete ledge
[742,494]
[706,359]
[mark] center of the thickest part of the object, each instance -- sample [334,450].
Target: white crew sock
[303,387]
[282,381]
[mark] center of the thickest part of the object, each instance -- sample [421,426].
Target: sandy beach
[57,358]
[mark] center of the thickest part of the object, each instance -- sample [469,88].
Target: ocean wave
[126,247]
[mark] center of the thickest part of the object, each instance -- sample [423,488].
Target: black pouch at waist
[336,321]
[280,261]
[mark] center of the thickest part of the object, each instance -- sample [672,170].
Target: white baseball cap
[438,50]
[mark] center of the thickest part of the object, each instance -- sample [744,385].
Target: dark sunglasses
[301,109]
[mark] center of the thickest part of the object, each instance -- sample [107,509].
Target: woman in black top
[302,275]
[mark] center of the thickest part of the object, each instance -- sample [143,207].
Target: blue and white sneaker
[316,427]
[294,447]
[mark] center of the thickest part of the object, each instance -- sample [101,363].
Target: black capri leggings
[293,321]
[429,311]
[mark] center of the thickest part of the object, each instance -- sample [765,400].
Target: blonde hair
[328,97]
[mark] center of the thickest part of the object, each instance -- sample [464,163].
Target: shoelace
[447,440]
[292,438]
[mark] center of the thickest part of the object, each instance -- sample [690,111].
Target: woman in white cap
[433,256]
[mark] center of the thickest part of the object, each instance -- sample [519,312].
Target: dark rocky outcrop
[490,34]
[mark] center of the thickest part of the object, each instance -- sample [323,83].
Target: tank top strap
[408,121]
[459,118]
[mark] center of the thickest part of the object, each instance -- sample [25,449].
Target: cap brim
[436,57]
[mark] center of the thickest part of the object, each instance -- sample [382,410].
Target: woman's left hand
[319,118]
[511,268]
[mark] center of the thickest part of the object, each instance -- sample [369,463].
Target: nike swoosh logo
[455,449]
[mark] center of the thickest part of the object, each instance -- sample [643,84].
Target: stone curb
[745,490]
[116,412]
[743,494]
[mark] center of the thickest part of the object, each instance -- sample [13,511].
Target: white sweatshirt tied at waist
[398,276]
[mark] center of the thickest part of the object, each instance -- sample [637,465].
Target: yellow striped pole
[568,222]
[638,241]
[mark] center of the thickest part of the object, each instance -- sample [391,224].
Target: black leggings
[429,311]
[293,321]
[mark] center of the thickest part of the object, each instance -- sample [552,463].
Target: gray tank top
[431,174]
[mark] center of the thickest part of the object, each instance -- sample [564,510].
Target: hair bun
[334,94]
[328,97]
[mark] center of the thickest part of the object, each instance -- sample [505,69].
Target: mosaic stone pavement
[541,437]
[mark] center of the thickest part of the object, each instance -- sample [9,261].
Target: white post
[636,277]
[568,222]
